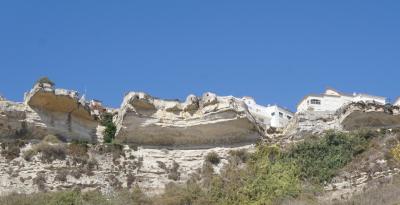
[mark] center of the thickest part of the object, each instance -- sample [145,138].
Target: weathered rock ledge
[209,120]
[47,110]
[350,117]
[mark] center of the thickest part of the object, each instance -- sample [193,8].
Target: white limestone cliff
[352,116]
[209,120]
[47,110]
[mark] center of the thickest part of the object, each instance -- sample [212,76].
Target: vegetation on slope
[268,176]
[109,132]
[320,158]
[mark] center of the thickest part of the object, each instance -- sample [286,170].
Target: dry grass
[51,139]
[384,194]
[12,149]
[173,172]
[51,152]
[213,158]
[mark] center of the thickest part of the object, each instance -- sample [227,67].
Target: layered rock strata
[209,120]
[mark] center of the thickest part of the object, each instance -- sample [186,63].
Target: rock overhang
[58,100]
[207,120]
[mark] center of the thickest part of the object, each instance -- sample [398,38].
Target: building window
[315,102]
[280,114]
[288,117]
[273,114]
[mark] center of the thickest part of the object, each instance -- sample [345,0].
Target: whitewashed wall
[269,115]
[397,103]
[333,103]
[367,98]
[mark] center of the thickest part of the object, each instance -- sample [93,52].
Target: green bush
[75,197]
[320,158]
[240,156]
[269,178]
[111,129]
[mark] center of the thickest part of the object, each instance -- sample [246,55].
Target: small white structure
[271,115]
[332,100]
[397,102]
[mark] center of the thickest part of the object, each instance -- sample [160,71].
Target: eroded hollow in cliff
[359,119]
[63,115]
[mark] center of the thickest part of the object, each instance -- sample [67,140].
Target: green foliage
[320,158]
[111,129]
[267,176]
[270,175]
[264,180]
[45,79]
[75,197]
[240,156]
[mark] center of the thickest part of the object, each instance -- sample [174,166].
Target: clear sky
[275,51]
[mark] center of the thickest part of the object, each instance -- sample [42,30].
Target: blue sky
[275,51]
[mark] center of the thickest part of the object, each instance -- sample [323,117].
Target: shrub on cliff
[49,152]
[76,197]
[52,152]
[12,149]
[51,139]
[320,158]
[213,158]
[45,80]
[109,132]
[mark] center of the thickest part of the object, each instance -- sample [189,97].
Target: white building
[397,102]
[271,115]
[332,100]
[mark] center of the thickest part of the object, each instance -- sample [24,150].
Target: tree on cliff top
[44,80]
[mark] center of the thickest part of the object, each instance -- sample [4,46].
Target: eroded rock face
[350,117]
[369,115]
[105,171]
[62,113]
[368,170]
[12,119]
[210,120]
[48,111]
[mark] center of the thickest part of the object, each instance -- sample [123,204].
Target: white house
[271,115]
[397,102]
[332,100]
